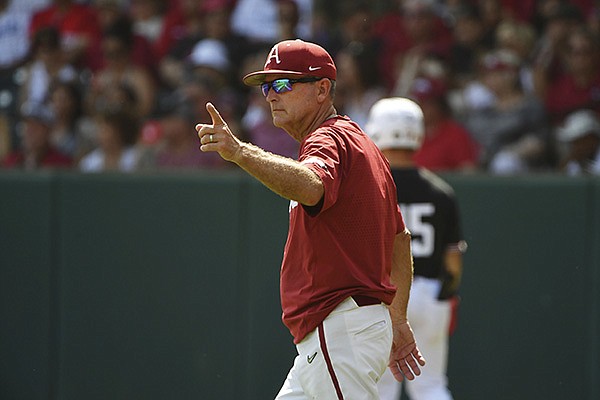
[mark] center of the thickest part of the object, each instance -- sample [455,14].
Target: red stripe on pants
[334,379]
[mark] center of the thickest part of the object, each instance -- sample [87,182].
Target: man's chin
[277,120]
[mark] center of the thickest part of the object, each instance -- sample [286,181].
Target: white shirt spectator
[14,39]
[257,19]
[95,161]
[28,6]
[39,80]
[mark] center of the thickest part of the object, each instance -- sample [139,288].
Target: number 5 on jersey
[423,233]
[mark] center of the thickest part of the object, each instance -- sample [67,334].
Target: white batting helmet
[396,123]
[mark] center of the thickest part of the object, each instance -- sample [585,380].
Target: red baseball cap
[424,89]
[295,57]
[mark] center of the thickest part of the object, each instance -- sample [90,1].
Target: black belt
[362,301]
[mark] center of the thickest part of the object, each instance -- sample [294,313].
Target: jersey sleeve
[455,239]
[325,156]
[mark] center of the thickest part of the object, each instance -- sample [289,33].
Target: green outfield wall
[166,287]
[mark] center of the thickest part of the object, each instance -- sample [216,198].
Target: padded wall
[166,286]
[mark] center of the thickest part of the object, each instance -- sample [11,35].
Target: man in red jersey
[347,266]
[79,29]
[447,145]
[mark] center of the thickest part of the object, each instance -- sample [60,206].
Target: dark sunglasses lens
[265,88]
[281,85]
[278,85]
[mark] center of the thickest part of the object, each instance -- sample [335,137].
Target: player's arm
[284,176]
[453,267]
[402,275]
[453,261]
[405,357]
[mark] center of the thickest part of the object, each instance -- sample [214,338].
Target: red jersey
[76,22]
[449,146]
[565,96]
[52,159]
[343,248]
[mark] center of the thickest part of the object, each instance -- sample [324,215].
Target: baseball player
[347,268]
[431,214]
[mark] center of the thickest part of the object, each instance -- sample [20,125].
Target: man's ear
[324,89]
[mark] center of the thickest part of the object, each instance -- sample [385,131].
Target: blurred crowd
[506,86]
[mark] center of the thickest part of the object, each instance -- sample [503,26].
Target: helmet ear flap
[396,123]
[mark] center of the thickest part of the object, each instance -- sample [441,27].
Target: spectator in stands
[447,144]
[288,18]
[579,86]
[37,151]
[217,26]
[593,20]
[354,25]
[14,43]
[492,14]
[120,94]
[468,44]
[549,52]
[518,10]
[78,27]
[118,131]
[210,78]
[28,6]
[358,82]
[182,27]
[512,132]
[120,69]
[14,49]
[407,33]
[581,134]
[257,20]
[177,149]
[213,23]
[520,38]
[148,18]
[46,66]
[71,132]
[142,51]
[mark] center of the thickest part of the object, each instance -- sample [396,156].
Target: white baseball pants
[344,357]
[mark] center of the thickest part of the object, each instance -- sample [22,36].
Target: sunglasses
[284,84]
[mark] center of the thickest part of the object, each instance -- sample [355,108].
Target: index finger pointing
[214,115]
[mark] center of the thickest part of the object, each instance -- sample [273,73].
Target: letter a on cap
[273,54]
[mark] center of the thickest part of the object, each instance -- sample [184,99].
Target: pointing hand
[217,136]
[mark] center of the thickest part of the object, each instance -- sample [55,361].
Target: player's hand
[217,136]
[405,357]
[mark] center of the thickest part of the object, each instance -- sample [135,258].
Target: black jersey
[431,214]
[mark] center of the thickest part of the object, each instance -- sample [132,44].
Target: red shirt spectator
[416,27]
[142,51]
[579,86]
[77,24]
[567,95]
[182,21]
[51,159]
[447,144]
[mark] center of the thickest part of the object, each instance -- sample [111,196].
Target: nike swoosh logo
[311,68]
[311,358]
